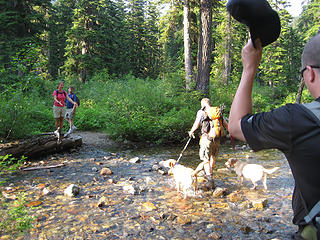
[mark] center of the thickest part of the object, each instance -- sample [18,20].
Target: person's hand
[251,56]
[191,134]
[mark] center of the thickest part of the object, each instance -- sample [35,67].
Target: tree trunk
[204,49]
[40,145]
[83,70]
[227,55]
[187,45]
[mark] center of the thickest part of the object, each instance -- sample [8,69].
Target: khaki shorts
[208,148]
[59,112]
[69,114]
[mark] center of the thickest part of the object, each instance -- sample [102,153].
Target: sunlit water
[155,210]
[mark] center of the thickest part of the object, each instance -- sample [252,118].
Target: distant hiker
[294,129]
[59,111]
[211,121]
[71,109]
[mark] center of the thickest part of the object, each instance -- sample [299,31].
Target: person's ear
[310,74]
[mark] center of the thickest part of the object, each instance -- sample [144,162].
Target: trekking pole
[184,149]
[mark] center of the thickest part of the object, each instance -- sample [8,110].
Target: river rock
[135,160]
[219,192]
[162,172]
[245,205]
[130,189]
[46,191]
[183,220]
[246,229]
[155,167]
[102,202]
[235,197]
[259,204]
[94,169]
[105,171]
[72,190]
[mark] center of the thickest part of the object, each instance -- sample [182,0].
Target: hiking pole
[184,149]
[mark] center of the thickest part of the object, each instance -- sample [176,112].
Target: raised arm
[242,102]
[73,102]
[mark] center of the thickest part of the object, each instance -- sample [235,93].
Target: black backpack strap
[64,92]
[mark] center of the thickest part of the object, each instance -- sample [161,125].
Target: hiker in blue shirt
[71,110]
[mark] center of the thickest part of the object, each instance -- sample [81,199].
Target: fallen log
[43,167]
[40,145]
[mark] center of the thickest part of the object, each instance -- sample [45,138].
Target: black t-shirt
[294,130]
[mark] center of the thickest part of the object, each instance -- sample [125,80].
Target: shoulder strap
[314,107]
[64,92]
[313,212]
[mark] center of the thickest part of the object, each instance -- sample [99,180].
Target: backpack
[77,99]
[214,113]
[64,93]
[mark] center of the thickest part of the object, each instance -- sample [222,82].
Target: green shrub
[14,215]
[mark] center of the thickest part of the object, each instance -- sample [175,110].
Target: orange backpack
[214,113]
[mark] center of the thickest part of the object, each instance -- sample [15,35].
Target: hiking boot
[210,185]
[68,133]
[57,133]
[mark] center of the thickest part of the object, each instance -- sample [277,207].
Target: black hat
[262,20]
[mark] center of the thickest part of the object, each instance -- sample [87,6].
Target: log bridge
[40,145]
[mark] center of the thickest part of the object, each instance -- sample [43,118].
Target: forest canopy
[138,69]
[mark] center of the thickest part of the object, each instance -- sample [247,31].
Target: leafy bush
[14,215]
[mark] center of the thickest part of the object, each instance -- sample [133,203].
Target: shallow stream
[141,203]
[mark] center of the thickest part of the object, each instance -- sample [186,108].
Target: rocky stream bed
[134,198]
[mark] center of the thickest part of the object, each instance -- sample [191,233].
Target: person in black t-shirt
[294,129]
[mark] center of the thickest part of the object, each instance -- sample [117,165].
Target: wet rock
[72,190]
[34,204]
[162,172]
[135,160]
[94,169]
[220,206]
[246,229]
[245,205]
[46,192]
[223,170]
[110,181]
[148,206]
[155,167]
[92,159]
[219,192]
[235,197]
[259,204]
[130,189]
[183,220]
[105,171]
[102,202]
[214,236]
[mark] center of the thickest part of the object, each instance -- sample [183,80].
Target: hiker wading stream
[125,194]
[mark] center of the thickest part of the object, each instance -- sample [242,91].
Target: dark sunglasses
[301,73]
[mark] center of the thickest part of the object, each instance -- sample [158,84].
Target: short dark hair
[311,52]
